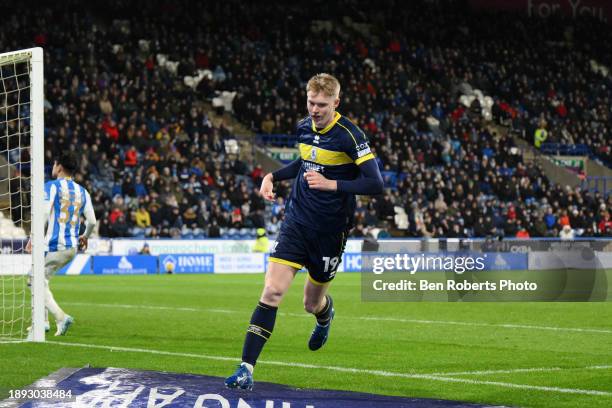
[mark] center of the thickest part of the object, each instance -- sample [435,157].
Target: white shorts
[54,261]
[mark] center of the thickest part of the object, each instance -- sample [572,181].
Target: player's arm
[50,192]
[356,146]
[371,182]
[290,171]
[90,222]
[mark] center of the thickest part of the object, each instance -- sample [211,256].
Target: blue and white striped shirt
[65,202]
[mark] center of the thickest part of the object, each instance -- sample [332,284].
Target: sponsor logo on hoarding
[124,265]
[188,263]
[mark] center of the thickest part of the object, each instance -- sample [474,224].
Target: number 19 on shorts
[331,264]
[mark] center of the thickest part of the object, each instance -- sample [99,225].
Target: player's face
[321,108]
[55,170]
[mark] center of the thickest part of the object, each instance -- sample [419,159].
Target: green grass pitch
[514,354]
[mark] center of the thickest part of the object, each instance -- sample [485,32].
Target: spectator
[267,125]
[540,135]
[522,233]
[605,225]
[132,118]
[213,230]
[278,208]
[131,157]
[567,233]
[261,243]
[119,228]
[143,218]
[115,214]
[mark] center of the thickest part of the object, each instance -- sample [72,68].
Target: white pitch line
[523,370]
[150,307]
[525,326]
[379,373]
[11,341]
[366,318]
[502,325]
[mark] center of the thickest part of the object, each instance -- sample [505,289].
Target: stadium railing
[561,149]
[565,149]
[276,140]
[601,184]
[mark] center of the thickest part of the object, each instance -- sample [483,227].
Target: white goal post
[22,314]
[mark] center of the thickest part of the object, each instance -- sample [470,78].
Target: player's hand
[317,181]
[28,247]
[82,243]
[266,187]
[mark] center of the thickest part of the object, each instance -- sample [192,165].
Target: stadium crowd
[159,166]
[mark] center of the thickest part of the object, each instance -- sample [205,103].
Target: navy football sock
[259,331]
[325,314]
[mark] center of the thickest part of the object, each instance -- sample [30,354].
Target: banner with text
[120,387]
[197,246]
[187,263]
[599,9]
[557,271]
[124,265]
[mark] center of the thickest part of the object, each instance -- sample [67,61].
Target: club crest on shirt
[313,154]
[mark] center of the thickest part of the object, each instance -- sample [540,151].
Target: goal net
[21,196]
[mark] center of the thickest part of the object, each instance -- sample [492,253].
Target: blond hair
[324,83]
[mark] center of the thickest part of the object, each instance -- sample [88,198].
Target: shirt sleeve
[88,210]
[358,145]
[50,193]
[290,171]
[370,182]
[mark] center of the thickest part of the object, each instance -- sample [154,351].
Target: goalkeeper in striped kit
[65,203]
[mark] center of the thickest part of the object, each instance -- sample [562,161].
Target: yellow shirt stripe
[364,158]
[323,156]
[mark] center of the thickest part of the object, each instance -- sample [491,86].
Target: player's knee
[272,295]
[311,305]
